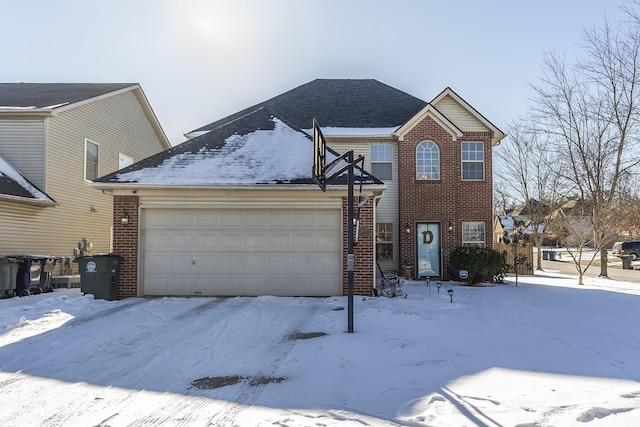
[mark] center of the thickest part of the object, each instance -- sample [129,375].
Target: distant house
[242,186]
[55,139]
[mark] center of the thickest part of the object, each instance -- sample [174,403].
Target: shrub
[483,264]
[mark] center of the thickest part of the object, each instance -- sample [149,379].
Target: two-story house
[434,157]
[54,139]
[431,191]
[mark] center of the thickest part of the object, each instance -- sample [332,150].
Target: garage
[237,211]
[243,251]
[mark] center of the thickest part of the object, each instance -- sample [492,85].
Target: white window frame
[387,235]
[86,162]
[382,153]
[473,157]
[424,171]
[474,233]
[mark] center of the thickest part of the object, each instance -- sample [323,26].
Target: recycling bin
[8,274]
[552,256]
[99,275]
[626,262]
[34,274]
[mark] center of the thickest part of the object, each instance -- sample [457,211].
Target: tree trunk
[603,262]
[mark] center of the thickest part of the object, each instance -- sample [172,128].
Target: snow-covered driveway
[545,353]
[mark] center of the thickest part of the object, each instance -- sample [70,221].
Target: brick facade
[363,250]
[125,244]
[443,201]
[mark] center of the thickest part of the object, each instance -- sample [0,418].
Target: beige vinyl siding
[459,116]
[119,125]
[22,145]
[387,208]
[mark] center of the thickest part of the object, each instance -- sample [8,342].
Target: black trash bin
[626,262]
[8,274]
[99,275]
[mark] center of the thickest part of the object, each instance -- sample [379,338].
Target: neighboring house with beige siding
[54,139]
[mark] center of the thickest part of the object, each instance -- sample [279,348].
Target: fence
[512,251]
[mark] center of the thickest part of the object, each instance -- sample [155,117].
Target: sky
[200,60]
[545,353]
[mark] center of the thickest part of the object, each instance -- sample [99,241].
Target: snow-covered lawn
[545,353]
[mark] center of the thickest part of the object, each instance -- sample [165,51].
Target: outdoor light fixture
[450,227]
[124,219]
[407,229]
[450,292]
[438,284]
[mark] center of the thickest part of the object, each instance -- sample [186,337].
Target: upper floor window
[90,160]
[427,160]
[382,161]
[473,161]
[473,234]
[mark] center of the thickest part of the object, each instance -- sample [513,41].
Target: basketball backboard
[319,156]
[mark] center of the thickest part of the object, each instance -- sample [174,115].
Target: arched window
[427,161]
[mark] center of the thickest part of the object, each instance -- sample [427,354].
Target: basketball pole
[350,257]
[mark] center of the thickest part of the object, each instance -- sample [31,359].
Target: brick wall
[363,251]
[448,199]
[125,244]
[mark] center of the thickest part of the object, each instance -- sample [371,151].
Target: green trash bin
[626,262]
[8,276]
[99,275]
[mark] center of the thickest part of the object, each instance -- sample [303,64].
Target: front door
[428,249]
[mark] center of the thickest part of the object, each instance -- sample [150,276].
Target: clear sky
[200,60]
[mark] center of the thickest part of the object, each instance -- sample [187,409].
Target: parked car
[631,248]
[616,248]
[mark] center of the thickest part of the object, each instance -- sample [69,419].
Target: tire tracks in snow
[274,353]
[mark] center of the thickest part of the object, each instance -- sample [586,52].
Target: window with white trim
[90,160]
[427,161]
[382,161]
[384,241]
[473,234]
[473,161]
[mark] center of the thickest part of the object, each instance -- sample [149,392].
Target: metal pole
[350,258]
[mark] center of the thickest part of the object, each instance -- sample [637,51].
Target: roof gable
[52,95]
[338,103]
[258,148]
[448,96]
[430,111]
[15,187]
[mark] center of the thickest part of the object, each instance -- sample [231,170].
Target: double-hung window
[473,161]
[427,161]
[382,161]
[384,241]
[90,160]
[473,234]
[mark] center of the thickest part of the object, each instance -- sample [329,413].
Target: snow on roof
[6,170]
[339,131]
[262,156]
[507,222]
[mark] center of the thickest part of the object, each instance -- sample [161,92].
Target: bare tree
[590,111]
[528,172]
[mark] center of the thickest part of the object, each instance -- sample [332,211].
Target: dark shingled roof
[10,187]
[339,103]
[42,95]
[210,144]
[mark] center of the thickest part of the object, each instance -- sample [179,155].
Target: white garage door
[294,252]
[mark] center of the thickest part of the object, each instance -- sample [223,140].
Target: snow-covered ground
[545,353]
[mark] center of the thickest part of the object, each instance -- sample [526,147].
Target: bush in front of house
[483,264]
